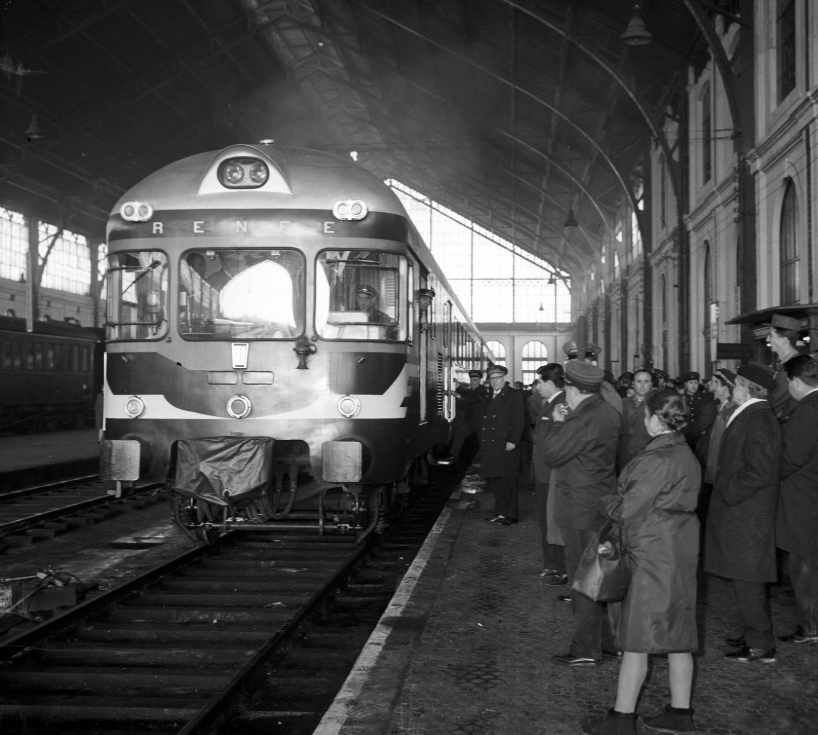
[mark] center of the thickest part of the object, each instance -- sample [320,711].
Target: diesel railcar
[50,377]
[278,293]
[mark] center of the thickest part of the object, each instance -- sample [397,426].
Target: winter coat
[740,529]
[583,447]
[634,434]
[542,427]
[657,495]
[796,527]
[503,421]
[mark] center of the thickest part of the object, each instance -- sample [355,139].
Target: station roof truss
[508,112]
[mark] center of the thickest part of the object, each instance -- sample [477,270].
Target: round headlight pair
[136,211]
[243,173]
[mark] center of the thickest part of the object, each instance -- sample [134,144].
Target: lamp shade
[636,34]
[570,220]
[35,130]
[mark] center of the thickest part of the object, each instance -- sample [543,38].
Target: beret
[497,369]
[368,290]
[757,374]
[692,375]
[779,321]
[583,375]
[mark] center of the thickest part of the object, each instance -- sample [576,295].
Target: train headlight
[349,406]
[134,407]
[243,173]
[136,211]
[239,407]
[350,209]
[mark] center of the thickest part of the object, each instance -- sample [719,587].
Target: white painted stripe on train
[341,707]
[373,406]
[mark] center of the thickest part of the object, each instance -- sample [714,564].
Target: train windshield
[357,295]
[137,295]
[241,294]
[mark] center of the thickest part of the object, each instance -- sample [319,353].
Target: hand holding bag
[603,573]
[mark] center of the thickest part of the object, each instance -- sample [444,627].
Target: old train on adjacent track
[268,292]
[50,377]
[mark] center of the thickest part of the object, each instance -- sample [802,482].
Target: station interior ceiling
[511,113]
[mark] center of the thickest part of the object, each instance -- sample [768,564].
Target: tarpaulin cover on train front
[225,470]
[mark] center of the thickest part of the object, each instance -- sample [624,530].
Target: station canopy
[513,114]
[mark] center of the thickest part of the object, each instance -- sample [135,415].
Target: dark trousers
[553,556]
[754,606]
[803,571]
[591,630]
[505,495]
[460,433]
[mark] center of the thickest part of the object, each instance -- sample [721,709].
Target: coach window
[358,295]
[241,294]
[137,287]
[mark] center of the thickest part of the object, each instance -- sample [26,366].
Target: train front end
[260,300]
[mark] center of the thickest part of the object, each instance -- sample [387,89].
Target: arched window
[665,338]
[498,351]
[789,246]
[707,291]
[707,122]
[535,354]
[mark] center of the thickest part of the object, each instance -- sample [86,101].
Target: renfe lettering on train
[198,227]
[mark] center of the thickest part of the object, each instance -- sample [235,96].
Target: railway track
[43,512]
[257,630]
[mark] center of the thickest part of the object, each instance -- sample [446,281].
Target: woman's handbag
[603,573]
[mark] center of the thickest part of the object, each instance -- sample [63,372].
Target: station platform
[466,646]
[31,457]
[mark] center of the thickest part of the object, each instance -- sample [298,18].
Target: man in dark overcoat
[582,448]
[550,389]
[634,434]
[500,433]
[740,533]
[702,407]
[468,409]
[796,528]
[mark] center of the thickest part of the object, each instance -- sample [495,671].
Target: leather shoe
[749,655]
[570,660]
[800,636]
[495,519]
[506,521]
[738,642]
[448,459]
[564,598]
[555,579]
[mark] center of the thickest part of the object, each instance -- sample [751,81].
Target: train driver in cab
[366,296]
[231,265]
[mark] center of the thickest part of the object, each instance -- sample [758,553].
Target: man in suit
[796,528]
[634,434]
[550,389]
[501,429]
[582,448]
[739,539]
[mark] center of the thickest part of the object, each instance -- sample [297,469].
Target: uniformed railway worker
[784,333]
[469,409]
[366,296]
[501,430]
[702,407]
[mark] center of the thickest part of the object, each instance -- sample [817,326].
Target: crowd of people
[736,458]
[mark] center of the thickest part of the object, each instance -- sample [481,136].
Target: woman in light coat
[656,501]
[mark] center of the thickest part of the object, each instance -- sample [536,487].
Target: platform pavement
[27,451]
[466,648]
